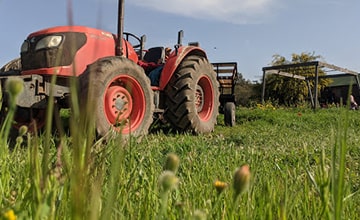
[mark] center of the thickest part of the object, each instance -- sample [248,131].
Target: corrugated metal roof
[342,81]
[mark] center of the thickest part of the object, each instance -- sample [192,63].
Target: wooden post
[263,88]
[310,94]
[316,86]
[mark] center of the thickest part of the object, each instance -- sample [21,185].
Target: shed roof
[342,80]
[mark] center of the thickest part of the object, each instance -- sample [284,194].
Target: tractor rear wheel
[121,96]
[193,96]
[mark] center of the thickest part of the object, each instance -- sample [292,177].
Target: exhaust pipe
[120,29]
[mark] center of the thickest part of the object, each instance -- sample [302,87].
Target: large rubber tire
[34,119]
[14,64]
[192,101]
[229,114]
[121,95]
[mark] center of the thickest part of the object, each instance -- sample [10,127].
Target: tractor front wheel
[193,96]
[121,96]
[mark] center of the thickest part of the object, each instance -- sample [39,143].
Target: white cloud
[234,11]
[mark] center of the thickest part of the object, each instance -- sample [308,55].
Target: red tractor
[108,74]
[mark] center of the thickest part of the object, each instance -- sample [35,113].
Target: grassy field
[303,165]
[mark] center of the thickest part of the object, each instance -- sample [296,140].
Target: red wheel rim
[124,104]
[204,98]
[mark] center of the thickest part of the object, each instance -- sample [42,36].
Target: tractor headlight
[49,41]
[24,46]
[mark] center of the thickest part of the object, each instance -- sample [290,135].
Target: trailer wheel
[192,96]
[120,94]
[229,114]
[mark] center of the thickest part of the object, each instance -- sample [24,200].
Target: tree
[292,91]
[244,91]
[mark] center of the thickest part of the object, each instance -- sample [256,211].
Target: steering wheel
[128,36]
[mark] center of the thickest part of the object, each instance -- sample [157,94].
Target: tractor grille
[63,55]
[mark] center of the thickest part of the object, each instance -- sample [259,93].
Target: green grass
[304,165]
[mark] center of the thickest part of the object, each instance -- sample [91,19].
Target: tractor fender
[175,59]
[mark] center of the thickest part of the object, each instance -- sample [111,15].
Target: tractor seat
[154,54]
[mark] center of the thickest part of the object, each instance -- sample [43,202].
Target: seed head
[14,86]
[172,162]
[199,215]
[22,130]
[19,140]
[242,179]
[168,180]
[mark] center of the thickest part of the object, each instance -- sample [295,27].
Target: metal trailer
[227,75]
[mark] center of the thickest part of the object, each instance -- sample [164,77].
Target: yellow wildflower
[10,215]
[220,186]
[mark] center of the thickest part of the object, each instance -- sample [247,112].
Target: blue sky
[248,32]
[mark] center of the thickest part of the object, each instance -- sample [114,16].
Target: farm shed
[338,90]
[332,72]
